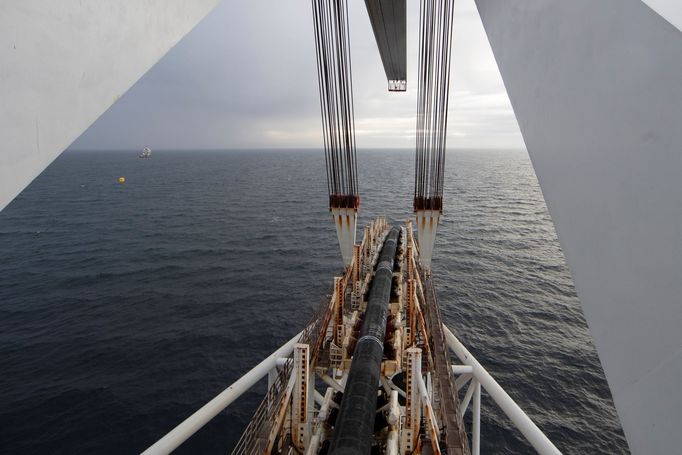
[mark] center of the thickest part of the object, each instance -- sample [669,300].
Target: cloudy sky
[245,77]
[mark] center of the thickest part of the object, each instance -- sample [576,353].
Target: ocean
[126,307]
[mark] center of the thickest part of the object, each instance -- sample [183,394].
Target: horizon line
[257,149]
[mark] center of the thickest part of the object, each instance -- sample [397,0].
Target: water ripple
[123,308]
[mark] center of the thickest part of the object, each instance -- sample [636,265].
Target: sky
[246,77]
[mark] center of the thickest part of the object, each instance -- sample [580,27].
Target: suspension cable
[435,40]
[334,71]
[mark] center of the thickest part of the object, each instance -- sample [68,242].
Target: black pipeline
[355,424]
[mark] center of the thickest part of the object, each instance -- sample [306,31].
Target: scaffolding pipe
[355,423]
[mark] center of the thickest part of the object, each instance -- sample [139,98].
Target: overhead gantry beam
[596,90]
[389,23]
[65,63]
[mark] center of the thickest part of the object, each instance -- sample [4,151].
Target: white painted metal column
[64,63]
[431,421]
[346,221]
[356,276]
[412,401]
[339,300]
[467,397]
[427,225]
[595,87]
[411,310]
[476,424]
[300,423]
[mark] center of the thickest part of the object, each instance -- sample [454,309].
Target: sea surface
[126,307]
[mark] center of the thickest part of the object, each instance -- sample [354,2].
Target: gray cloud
[246,77]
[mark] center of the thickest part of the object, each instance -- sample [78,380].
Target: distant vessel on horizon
[146,153]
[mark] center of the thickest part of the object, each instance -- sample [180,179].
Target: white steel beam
[412,402]
[64,63]
[533,434]
[300,429]
[597,92]
[346,221]
[462,369]
[193,423]
[332,383]
[462,380]
[476,421]
[431,421]
[427,225]
[467,397]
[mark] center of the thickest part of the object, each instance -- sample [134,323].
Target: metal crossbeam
[389,23]
[526,426]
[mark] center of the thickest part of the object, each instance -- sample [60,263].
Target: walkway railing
[471,371]
[193,423]
[481,378]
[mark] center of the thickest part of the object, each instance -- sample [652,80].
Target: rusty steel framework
[272,410]
[300,410]
[418,407]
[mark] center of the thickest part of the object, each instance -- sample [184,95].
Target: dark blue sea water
[125,307]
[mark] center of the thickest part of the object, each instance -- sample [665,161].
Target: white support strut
[476,430]
[346,221]
[427,225]
[193,423]
[431,422]
[533,434]
[467,396]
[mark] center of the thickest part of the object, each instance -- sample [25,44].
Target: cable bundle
[435,38]
[332,45]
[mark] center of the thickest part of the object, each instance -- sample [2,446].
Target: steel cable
[334,70]
[435,42]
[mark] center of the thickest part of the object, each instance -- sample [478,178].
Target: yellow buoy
[121,180]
